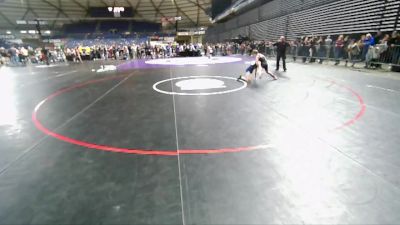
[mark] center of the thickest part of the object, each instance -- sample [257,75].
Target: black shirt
[281,47]
[394,41]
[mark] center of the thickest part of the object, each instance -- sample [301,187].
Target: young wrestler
[261,63]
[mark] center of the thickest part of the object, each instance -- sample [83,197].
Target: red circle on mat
[70,140]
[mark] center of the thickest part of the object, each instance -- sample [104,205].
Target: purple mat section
[141,64]
[137,64]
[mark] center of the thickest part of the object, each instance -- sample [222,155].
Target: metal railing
[369,55]
[384,54]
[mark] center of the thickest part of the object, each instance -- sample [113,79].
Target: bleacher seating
[119,26]
[5,44]
[145,27]
[295,18]
[72,43]
[80,28]
[109,29]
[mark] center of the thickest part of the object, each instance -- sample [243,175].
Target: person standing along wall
[305,49]
[353,50]
[345,50]
[328,43]
[322,50]
[339,44]
[369,41]
[394,52]
[313,49]
[294,49]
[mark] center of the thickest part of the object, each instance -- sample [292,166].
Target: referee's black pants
[278,58]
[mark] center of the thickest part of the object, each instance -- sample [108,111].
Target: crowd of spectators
[373,50]
[22,55]
[131,51]
[368,48]
[116,51]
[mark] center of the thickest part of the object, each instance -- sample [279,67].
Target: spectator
[23,55]
[346,41]
[3,56]
[384,49]
[78,55]
[328,43]
[13,52]
[339,44]
[313,49]
[353,51]
[45,56]
[242,48]
[368,41]
[394,48]
[322,49]
[305,48]
[295,48]
[130,52]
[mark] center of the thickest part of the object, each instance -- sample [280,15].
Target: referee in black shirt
[281,46]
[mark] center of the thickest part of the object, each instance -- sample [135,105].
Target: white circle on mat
[193,61]
[202,83]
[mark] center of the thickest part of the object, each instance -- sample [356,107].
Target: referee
[281,47]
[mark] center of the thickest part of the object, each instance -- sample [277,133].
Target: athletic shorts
[251,68]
